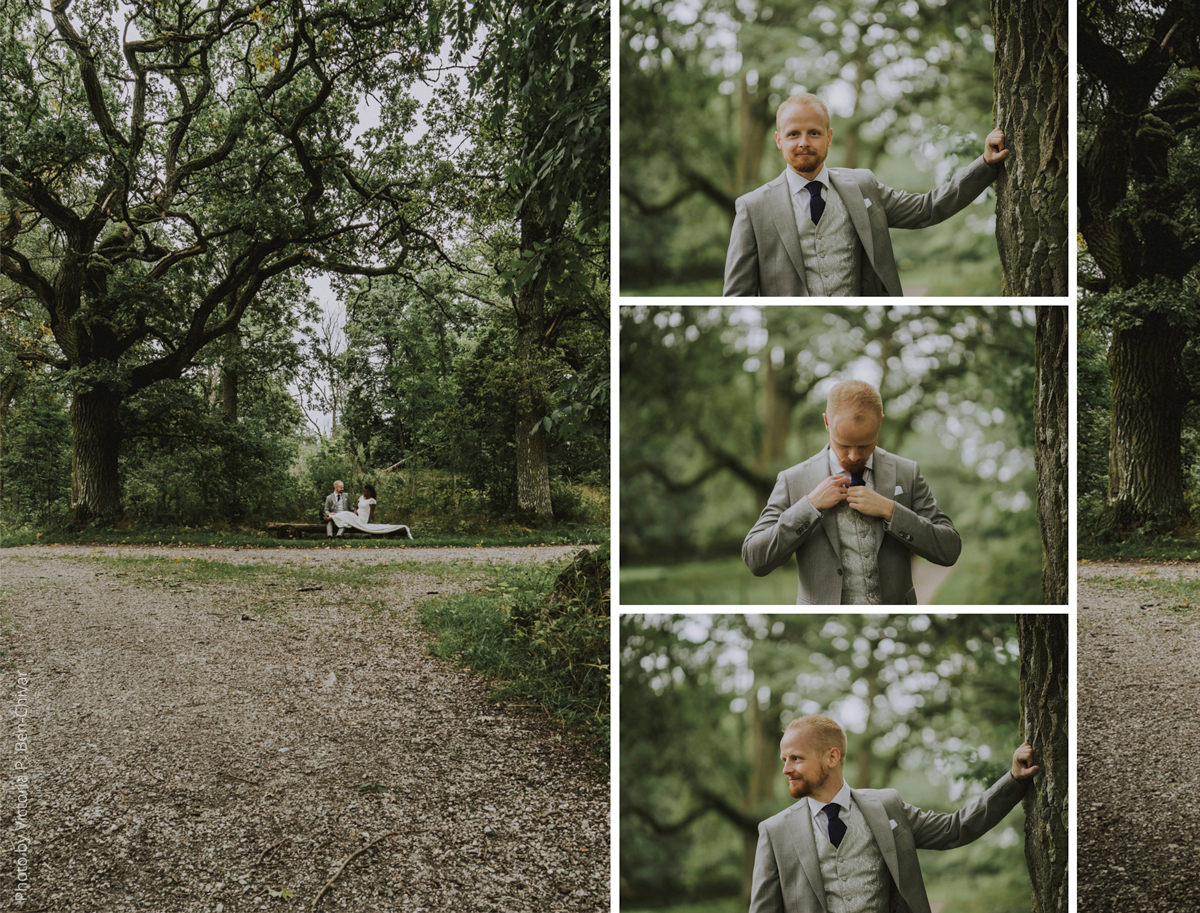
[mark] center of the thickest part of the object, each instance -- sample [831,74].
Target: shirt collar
[797,182]
[842,799]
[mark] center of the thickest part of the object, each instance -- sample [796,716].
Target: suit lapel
[804,842]
[779,199]
[820,472]
[877,820]
[885,484]
[852,199]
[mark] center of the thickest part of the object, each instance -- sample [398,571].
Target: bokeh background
[909,86]
[930,706]
[716,401]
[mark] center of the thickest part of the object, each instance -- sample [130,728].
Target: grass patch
[1138,547]
[562,534]
[1178,595]
[551,653]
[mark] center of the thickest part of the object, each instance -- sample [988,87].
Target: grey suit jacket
[333,505]
[789,525]
[787,872]
[764,249]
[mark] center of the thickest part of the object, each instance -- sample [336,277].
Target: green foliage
[35,465]
[544,637]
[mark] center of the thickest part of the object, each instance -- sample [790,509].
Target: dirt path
[188,749]
[1138,741]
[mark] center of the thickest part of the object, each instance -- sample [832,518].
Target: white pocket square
[867,202]
[892,822]
[899,491]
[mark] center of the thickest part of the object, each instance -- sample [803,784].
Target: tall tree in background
[167,164]
[1139,215]
[545,80]
[1053,447]
[1045,696]
[1032,108]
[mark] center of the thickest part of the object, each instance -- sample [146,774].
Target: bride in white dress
[362,520]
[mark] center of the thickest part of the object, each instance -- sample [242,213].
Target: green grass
[559,665]
[706,288]
[1139,547]
[719,581]
[565,534]
[1179,595]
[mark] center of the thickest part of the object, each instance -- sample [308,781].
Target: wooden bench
[300,530]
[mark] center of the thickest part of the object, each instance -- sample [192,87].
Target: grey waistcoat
[831,249]
[860,582]
[855,875]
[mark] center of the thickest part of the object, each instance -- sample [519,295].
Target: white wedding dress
[344,518]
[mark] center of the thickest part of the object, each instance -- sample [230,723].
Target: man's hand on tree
[870,503]
[829,493]
[993,148]
[1023,767]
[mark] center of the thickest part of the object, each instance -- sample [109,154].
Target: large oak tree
[1139,216]
[167,165]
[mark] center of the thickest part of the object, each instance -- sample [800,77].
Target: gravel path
[1138,735]
[188,749]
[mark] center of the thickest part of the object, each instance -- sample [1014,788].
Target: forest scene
[932,705]
[249,251]
[716,401]
[1138,439]
[913,88]
[304,454]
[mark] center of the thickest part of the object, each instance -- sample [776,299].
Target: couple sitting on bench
[338,514]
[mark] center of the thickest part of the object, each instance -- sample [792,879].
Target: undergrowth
[543,636]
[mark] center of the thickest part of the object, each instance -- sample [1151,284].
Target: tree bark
[1145,468]
[1045,643]
[95,484]
[1032,109]
[533,470]
[1052,447]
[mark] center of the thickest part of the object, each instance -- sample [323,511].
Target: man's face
[806,767]
[852,441]
[338,487]
[803,136]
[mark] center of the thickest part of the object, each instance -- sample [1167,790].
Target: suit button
[839,572]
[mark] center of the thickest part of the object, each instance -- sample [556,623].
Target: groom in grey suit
[843,850]
[824,231]
[338,501]
[853,515]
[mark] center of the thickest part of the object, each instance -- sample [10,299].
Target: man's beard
[805,788]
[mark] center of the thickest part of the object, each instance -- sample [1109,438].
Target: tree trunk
[95,484]
[1045,655]
[230,377]
[1053,448]
[1032,108]
[765,768]
[1145,468]
[753,120]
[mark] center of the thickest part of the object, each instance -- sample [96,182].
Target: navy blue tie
[856,478]
[837,827]
[816,205]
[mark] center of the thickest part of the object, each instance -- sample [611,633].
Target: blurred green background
[929,703]
[716,401]
[909,87]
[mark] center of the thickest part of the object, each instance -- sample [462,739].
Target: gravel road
[1138,734]
[188,750]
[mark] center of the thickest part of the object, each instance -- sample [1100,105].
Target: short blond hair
[855,399]
[825,732]
[803,99]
